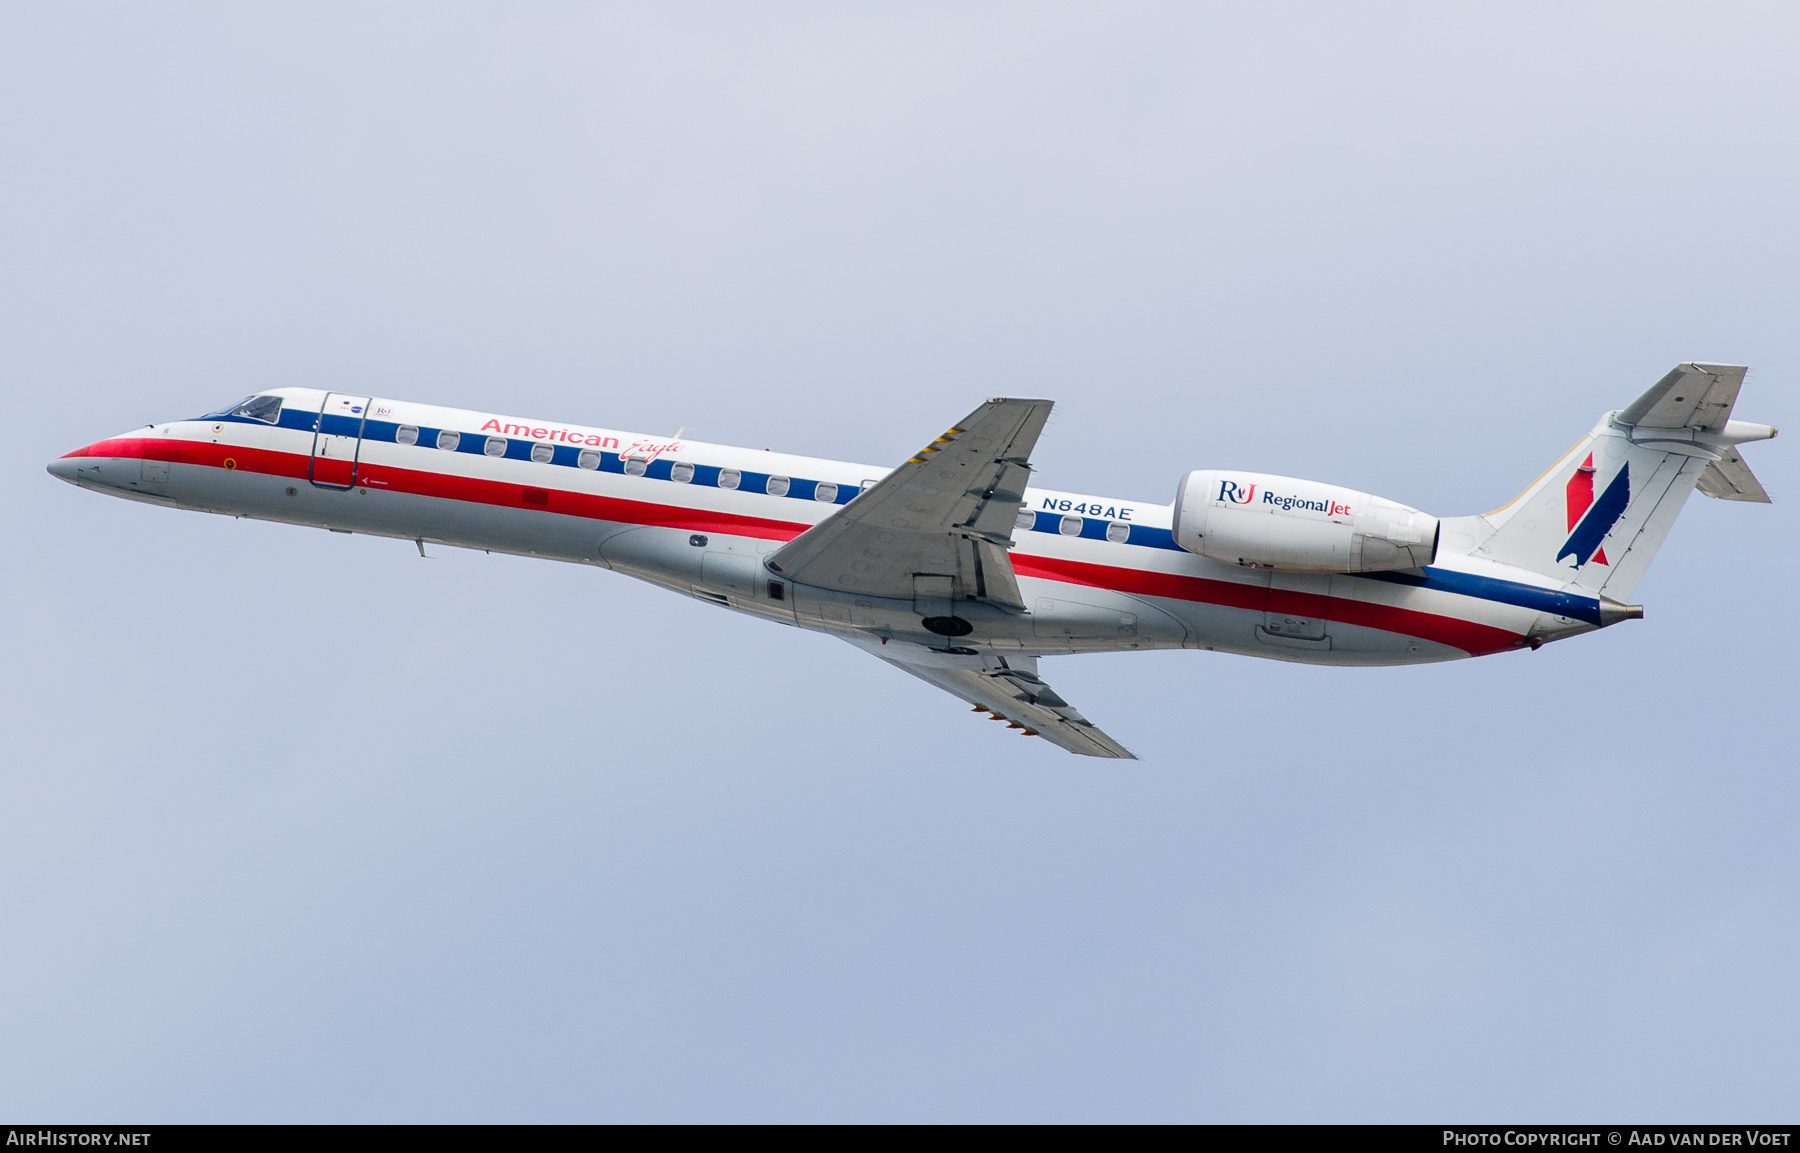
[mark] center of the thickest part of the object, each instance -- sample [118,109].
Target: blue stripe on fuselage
[1586,609]
[1094,528]
[566,455]
[1505,592]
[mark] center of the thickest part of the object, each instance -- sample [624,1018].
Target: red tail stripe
[1578,494]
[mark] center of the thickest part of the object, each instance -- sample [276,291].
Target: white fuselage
[1096,574]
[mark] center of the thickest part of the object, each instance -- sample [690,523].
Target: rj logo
[1229,490]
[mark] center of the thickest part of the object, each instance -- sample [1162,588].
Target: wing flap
[997,582]
[1008,688]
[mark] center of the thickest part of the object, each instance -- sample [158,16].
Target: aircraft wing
[939,525]
[1009,688]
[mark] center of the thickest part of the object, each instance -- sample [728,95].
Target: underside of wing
[937,527]
[1009,689]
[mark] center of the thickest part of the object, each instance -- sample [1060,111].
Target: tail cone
[1612,612]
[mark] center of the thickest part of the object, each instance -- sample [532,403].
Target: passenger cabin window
[264,408]
[635,465]
[826,491]
[730,478]
[777,486]
[681,472]
[406,434]
[448,440]
[495,446]
[1071,525]
[542,453]
[1026,520]
[589,459]
[1118,532]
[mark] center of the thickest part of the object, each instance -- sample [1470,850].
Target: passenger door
[337,440]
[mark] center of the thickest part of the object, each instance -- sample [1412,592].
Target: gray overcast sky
[301,827]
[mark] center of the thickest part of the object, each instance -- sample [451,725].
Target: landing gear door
[337,440]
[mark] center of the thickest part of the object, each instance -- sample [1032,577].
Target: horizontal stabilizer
[1595,519]
[1729,478]
[1696,396]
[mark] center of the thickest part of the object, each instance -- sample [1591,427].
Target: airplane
[954,566]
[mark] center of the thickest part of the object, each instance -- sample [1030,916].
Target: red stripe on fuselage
[1472,638]
[1475,639]
[446,486]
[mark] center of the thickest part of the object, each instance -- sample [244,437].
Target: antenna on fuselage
[673,441]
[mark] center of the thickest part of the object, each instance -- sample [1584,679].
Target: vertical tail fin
[1597,517]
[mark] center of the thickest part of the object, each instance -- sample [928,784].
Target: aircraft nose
[64,468]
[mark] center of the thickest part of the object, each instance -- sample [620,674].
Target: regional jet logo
[1589,519]
[1229,490]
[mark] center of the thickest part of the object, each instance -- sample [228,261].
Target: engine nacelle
[1277,522]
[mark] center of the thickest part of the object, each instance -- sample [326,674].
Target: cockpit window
[264,408]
